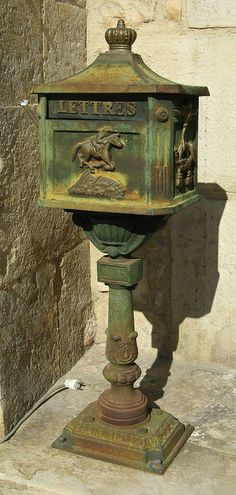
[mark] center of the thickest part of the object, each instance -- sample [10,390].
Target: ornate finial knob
[120,37]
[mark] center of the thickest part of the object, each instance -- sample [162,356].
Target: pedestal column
[122,404]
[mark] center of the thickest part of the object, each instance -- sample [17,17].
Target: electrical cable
[70,383]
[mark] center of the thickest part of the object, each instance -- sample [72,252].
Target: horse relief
[95,152]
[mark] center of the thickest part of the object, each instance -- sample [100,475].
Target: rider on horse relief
[99,139]
[95,151]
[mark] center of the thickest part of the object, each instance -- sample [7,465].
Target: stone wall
[186,300]
[46,309]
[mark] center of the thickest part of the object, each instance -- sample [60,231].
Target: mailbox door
[95,156]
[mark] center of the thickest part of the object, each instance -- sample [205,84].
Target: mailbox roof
[118,71]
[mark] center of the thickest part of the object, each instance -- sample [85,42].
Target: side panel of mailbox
[167,120]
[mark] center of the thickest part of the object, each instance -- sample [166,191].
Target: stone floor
[201,395]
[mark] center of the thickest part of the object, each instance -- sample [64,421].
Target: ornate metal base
[119,427]
[149,446]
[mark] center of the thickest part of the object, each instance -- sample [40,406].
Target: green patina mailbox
[117,137]
[119,150]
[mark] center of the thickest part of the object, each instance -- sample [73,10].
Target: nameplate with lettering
[96,110]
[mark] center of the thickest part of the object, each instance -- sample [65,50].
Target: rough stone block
[64,38]
[173,9]
[39,267]
[74,305]
[29,341]
[41,272]
[21,49]
[102,15]
[205,14]
[142,14]
[30,235]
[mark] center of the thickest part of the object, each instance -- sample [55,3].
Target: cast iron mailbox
[119,150]
[117,137]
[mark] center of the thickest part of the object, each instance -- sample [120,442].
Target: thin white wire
[39,403]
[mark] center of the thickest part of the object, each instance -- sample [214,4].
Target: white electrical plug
[73,384]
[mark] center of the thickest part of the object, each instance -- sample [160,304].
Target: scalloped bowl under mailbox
[113,234]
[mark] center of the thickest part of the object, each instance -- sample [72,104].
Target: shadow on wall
[180,278]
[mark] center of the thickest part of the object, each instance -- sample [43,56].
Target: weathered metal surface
[122,404]
[72,143]
[117,137]
[96,108]
[119,71]
[134,208]
[116,235]
[127,273]
[120,37]
[95,151]
[150,446]
[120,427]
[121,140]
[86,163]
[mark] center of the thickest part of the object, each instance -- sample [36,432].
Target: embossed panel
[97,162]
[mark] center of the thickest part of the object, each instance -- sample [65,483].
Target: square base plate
[149,446]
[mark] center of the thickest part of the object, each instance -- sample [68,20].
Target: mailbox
[119,149]
[118,137]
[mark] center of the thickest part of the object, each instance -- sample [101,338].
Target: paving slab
[198,394]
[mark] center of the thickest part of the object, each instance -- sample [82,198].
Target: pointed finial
[120,37]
